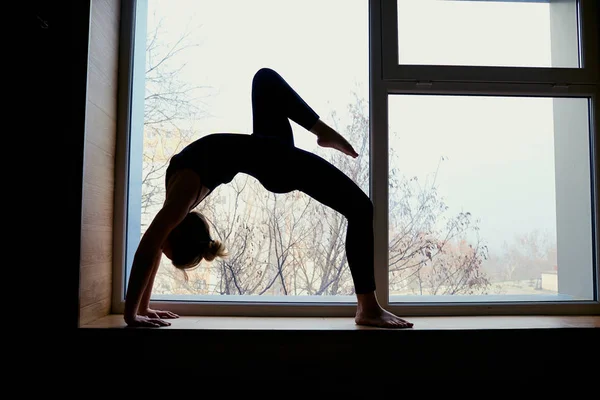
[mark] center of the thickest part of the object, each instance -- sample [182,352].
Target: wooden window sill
[345,323]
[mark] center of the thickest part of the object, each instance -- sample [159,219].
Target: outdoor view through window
[472,179]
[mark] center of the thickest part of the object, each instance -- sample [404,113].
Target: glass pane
[201,57]
[489,199]
[521,33]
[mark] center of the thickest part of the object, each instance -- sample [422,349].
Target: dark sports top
[217,158]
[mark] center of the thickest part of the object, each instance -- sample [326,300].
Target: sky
[499,154]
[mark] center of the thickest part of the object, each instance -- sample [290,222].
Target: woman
[269,155]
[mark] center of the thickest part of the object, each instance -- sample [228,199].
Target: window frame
[386,77]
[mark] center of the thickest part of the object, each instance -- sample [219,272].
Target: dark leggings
[274,102]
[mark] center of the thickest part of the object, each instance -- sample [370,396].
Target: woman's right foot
[381,319]
[370,313]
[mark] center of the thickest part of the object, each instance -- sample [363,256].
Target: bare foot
[370,313]
[381,319]
[328,137]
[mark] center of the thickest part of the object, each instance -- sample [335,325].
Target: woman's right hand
[143,321]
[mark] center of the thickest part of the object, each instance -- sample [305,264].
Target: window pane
[523,33]
[489,199]
[201,57]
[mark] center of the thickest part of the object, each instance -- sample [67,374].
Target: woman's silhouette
[269,155]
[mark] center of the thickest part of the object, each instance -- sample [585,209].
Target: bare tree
[169,105]
[287,243]
[263,231]
[307,255]
[424,258]
[528,255]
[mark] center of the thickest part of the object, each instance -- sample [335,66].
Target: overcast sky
[499,151]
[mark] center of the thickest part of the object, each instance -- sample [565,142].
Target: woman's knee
[264,75]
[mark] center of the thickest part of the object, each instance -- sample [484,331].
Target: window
[488,33]
[195,72]
[477,209]
[476,126]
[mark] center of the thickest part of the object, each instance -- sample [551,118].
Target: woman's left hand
[158,314]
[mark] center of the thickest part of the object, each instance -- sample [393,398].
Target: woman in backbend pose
[269,155]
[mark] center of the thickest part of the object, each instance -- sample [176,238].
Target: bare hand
[150,313]
[142,320]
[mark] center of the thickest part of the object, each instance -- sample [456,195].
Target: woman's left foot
[328,137]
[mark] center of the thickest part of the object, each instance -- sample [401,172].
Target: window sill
[309,348]
[347,324]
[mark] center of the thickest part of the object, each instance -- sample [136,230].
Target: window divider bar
[489,89]
[485,74]
[378,120]
[594,123]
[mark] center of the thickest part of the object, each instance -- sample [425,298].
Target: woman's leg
[328,185]
[325,183]
[274,103]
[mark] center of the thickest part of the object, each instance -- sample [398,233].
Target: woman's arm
[146,261]
[144,307]
[182,193]
[145,301]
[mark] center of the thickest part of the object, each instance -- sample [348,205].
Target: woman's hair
[190,242]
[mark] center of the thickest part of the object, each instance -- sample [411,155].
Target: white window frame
[387,77]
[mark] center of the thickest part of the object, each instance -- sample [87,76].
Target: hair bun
[215,249]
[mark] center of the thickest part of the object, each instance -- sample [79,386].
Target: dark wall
[51,142]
